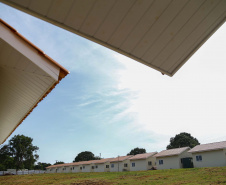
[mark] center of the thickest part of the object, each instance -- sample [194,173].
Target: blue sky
[110,104]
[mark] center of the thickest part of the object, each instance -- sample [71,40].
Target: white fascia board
[30,52]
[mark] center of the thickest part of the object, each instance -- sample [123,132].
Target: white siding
[68,169]
[210,159]
[117,166]
[107,169]
[98,167]
[171,162]
[86,168]
[75,169]
[142,164]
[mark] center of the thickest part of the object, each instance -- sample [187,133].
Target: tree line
[20,153]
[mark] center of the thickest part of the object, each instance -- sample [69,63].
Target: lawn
[179,176]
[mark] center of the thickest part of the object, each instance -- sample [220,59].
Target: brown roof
[102,161]
[209,147]
[143,156]
[63,71]
[59,165]
[171,152]
[120,158]
[81,163]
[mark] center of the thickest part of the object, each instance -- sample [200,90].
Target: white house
[174,158]
[142,162]
[120,164]
[209,155]
[102,165]
[58,168]
[76,167]
[85,166]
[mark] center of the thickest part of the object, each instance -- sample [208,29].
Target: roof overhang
[161,34]
[27,75]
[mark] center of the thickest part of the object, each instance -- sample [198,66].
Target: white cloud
[192,101]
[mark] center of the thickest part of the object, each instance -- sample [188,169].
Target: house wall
[142,164]
[127,161]
[68,169]
[100,167]
[210,159]
[117,165]
[87,168]
[50,170]
[171,162]
[75,170]
[107,169]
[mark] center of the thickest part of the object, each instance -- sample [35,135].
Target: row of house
[205,155]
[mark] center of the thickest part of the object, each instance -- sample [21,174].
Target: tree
[86,156]
[23,152]
[58,162]
[136,151]
[41,166]
[182,140]
[6,161]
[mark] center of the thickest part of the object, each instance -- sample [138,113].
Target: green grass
[169,177]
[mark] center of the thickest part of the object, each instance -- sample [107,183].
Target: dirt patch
[92,182]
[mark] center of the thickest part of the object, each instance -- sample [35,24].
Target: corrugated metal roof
[208,147]
[171,152]
[162,34]
[24,81]
[142,156]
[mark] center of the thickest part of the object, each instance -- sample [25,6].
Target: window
[133,164]
[112,165]
[83,167]
[198,158]
[125,165]
[73,168]
[107,166]
[160,162]
[96,166]
[80,168]
[92,167]
[149,163]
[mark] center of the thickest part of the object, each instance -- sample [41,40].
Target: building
[76,167]
[58,168]
[209,155]
[27,75]
[141,162]
[120,163]
[102,165]
[174,158]
[85,166]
